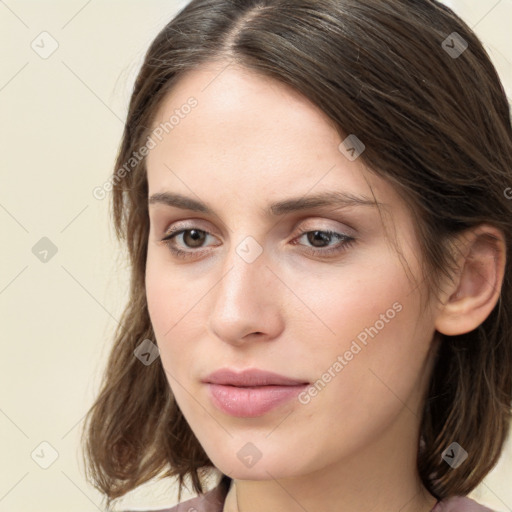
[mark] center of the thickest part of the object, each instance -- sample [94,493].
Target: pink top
[459,504]
[213,501]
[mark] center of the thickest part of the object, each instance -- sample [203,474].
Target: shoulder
[211,501]
[459,504]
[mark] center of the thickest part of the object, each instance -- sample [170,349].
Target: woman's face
[260,283]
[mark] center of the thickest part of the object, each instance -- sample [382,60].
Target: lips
[251,393]
[250,378]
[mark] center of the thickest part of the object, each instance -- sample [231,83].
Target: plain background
[61,122]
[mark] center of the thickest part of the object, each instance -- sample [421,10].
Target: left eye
[325,237]
[193,238]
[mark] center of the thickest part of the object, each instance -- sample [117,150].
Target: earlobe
[472,295]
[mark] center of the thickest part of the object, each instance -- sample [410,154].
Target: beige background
[61,121]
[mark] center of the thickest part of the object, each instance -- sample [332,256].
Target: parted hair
[435,121]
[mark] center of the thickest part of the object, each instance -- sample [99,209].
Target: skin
[249,142]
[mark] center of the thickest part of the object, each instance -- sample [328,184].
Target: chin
[265,468]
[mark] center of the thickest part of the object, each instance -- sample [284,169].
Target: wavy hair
[436,124]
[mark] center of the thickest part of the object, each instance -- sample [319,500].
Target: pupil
[196,236]
[324,237]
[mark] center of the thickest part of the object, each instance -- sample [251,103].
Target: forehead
[244,117]
[224,88]
[249,139]
[243,124]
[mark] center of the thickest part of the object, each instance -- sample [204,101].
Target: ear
[469,298]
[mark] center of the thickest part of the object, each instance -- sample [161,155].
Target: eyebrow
[333,199]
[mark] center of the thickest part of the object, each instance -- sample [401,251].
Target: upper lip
[250,377]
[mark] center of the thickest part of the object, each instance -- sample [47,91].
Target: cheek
[344,302]
[166,306]
[362,387]
[370,340]
[169,295]
[174,306]
[381,382]
[158,295]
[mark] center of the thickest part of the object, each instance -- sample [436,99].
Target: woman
[314,200]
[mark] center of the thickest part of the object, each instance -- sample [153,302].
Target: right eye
[192,238]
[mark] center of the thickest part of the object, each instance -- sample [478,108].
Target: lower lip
[251,401]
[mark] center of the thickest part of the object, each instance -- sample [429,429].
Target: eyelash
[345,242]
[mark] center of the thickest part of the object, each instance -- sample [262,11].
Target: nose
[246,301]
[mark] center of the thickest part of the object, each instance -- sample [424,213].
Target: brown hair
[435,124]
